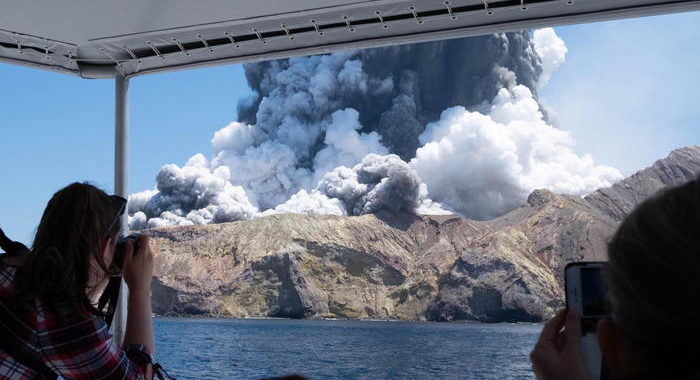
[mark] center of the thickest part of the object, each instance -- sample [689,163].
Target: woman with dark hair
[653,277]
[48,320]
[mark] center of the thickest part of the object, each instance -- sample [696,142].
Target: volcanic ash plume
[375,184]
[434,127]
[193,194]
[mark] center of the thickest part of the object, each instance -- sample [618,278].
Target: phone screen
[594,293]
[587,294]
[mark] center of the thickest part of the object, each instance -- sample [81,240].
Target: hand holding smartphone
[587,295]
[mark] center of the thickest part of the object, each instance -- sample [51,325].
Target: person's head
[73,246]
[654,279]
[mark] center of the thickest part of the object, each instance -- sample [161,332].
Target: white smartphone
[587,295]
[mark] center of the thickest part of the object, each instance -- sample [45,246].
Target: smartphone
[587,295]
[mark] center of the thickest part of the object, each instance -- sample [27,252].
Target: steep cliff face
[514,272]
[379,266]
[398,266]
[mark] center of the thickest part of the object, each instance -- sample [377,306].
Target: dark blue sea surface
[252,349]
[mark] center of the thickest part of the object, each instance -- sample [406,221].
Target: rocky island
[399,266]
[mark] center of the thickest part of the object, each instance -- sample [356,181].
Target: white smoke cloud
[235,137]
[193,194]
[278,156]
[427,206]
[484,165]
[344,145]
[378,182]
[552,51]
[137,201]
[306,144]
[138,220]
[313,202]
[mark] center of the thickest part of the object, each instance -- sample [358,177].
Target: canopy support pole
[121,188]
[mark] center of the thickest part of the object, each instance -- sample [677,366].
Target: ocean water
[366,350]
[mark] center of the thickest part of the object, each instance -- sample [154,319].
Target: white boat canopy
[103,39]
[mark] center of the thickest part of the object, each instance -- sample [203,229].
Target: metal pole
[121,177]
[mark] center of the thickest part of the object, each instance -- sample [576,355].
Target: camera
[120,250]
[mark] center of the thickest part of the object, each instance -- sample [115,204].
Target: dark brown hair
[72,231]
[654,279]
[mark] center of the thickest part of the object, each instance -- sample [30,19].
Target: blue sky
[629,90]
[628,93]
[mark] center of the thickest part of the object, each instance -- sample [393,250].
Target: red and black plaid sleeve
[80,349]
[86,350]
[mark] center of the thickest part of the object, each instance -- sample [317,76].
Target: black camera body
[120,250]
[110,295]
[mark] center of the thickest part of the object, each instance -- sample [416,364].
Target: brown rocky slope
[412,267]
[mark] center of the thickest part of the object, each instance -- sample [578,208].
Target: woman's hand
[137,269]
[557,354]
[137,272]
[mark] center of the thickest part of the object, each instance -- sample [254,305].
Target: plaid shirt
[80,349]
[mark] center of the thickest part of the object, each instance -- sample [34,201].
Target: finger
[145,249]
[552,327]
[129,248]
[560,341]
[128,253]
[142,240]
[151,247]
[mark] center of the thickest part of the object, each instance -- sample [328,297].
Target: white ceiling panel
[102,38]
